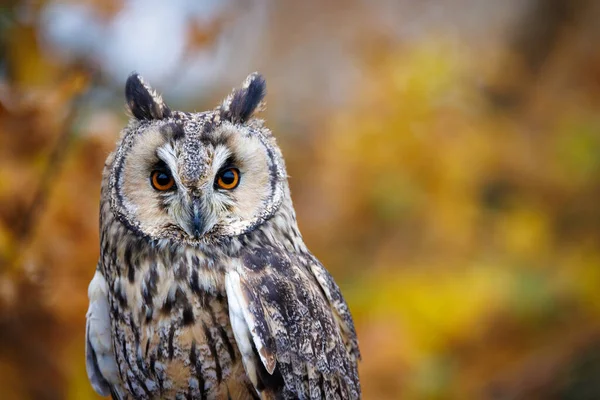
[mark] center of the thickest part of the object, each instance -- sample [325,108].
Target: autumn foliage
[450,186]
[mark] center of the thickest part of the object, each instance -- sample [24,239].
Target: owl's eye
[162,180]
[228,178]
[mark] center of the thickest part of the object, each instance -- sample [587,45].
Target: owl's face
[196,176]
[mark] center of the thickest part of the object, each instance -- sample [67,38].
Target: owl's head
[195,176]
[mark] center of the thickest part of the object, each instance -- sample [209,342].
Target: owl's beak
[197,222]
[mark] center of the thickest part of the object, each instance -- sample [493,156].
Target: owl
[204,288]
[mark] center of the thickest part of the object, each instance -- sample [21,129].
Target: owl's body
[204,288]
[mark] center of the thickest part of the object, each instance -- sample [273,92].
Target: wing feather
[298,322]
[99,356]
[336,300]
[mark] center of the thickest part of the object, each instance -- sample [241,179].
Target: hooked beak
[197,223]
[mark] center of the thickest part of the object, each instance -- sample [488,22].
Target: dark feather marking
[151,281]
[203,298]
[322,385]
[124,350]
[143,385]
[114,394]
[263,240]
[272,382]
[198,369]
[170,344]
[130,385]
[141,103]
[228,344]
[170,302]
[220,297]
[304,312]
[172,131]
[105,252]
[153,364]
[272,170]
[211,312]
[159,377]
[277,293]
[149,313]
[254,260]
[343,389]
[230,162]
[210,341]
[336,298]
[134,329]
[120,295]
[181,271]
[147,296]
[288,237]
[129,262]
[138,359]
[195,261]
[252,391]
[208,138]
[292,382]
[114,340]
[335,385]
[194,282]
[140,381]
[222,332]
[261,328]
[115,263]
[245,100]
[193,358]
[130,273]
[188,315]
[147,348]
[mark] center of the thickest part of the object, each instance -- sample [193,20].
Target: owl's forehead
[197,137]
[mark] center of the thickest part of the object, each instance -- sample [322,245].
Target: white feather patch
[243,325]
[99,356]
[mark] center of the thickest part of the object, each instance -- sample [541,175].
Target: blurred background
[444,159]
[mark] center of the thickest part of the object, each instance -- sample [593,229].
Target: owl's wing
[292,327]
[99,356]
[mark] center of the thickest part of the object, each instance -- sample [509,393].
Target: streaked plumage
[203,292]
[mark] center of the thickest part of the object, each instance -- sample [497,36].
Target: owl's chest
[172,335]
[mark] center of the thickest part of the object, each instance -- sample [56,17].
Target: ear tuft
[243,102]
[143,101]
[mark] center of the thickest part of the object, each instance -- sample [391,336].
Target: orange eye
[161,180]
[229,178]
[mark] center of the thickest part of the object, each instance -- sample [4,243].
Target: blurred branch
[54,163]
[77,81]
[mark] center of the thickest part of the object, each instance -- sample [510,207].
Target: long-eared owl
[204,288]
